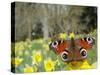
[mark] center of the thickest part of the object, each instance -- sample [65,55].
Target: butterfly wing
[59,45]
[82,45]
[86,42]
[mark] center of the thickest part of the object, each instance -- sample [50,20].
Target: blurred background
[34,20]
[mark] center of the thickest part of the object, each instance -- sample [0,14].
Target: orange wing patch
[61,47]
[85,44]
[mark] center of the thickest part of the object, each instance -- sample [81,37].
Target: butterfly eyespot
[64,56]
[89,40]
[54,44]
[83,53]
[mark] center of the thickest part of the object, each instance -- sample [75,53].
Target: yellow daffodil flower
[49,65]
[62,36]
[30,69]
[77,65]
[85,65]
[16,61]
[71,35]
[37,57]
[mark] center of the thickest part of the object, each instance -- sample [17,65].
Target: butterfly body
[73,49]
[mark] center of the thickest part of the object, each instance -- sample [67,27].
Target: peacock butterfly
[73,49]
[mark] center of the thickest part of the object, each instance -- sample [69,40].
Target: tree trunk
[45,29]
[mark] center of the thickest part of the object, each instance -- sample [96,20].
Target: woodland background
[34,20]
